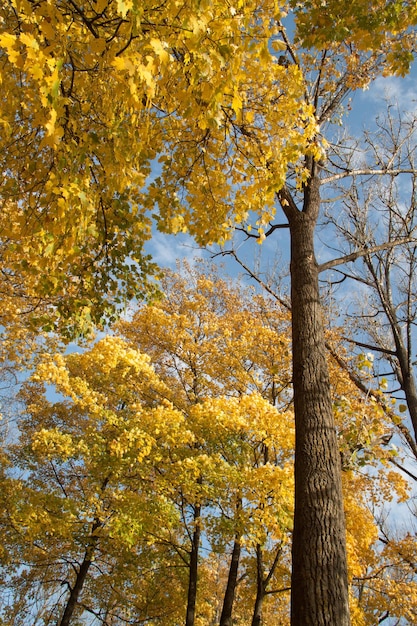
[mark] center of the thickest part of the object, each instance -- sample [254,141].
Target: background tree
[374,217]
[114,466]
[82,496]
[103,403]
[210,339]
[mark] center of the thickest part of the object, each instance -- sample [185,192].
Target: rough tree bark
[319,594]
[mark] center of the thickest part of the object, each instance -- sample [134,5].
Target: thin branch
[364,252]
[255,235]
[278,590]
[346,275]
[369,347]
[255,277]
[403,469]
[386,541]
[367,172]
[384,617]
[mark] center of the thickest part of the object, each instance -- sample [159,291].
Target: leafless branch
[364,252]
[257,278]
[367,171]
[369,347]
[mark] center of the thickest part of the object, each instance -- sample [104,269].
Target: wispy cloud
[166,250]
[399,91]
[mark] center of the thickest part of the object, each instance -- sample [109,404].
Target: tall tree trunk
[192,580]
[260,589]
[319,587]
[229,596]
[81,576]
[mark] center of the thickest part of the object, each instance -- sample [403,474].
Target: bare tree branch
[255,277]
[403,469]
[364,252]
[369,347]
[255,235]
[368,171]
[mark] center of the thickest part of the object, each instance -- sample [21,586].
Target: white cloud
[396,90]
[166,250]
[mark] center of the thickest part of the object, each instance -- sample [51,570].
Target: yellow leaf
[29,41]
[160,49]
[123,6]
[101,5]
[237,104]
[98,45]
[8,41]
[278,45]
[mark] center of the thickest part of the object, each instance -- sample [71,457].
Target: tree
[236,114]
[205,338]
[91,95]
[211,340]
[79,458]
[383,321]
[386,316]
[319,584]
[114,467]
[86,460]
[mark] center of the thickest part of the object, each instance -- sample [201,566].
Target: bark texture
[319,587]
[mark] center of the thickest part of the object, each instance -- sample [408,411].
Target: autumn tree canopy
[95,93]
[99,493]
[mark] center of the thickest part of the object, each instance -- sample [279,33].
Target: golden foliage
[94,94]
[190,409]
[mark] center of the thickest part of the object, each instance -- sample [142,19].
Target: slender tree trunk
[85,565]
[409,387]
[192,580]
[262,583]
[229,596]
[260,589]
[319,587]
[406,375]
[80,578]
